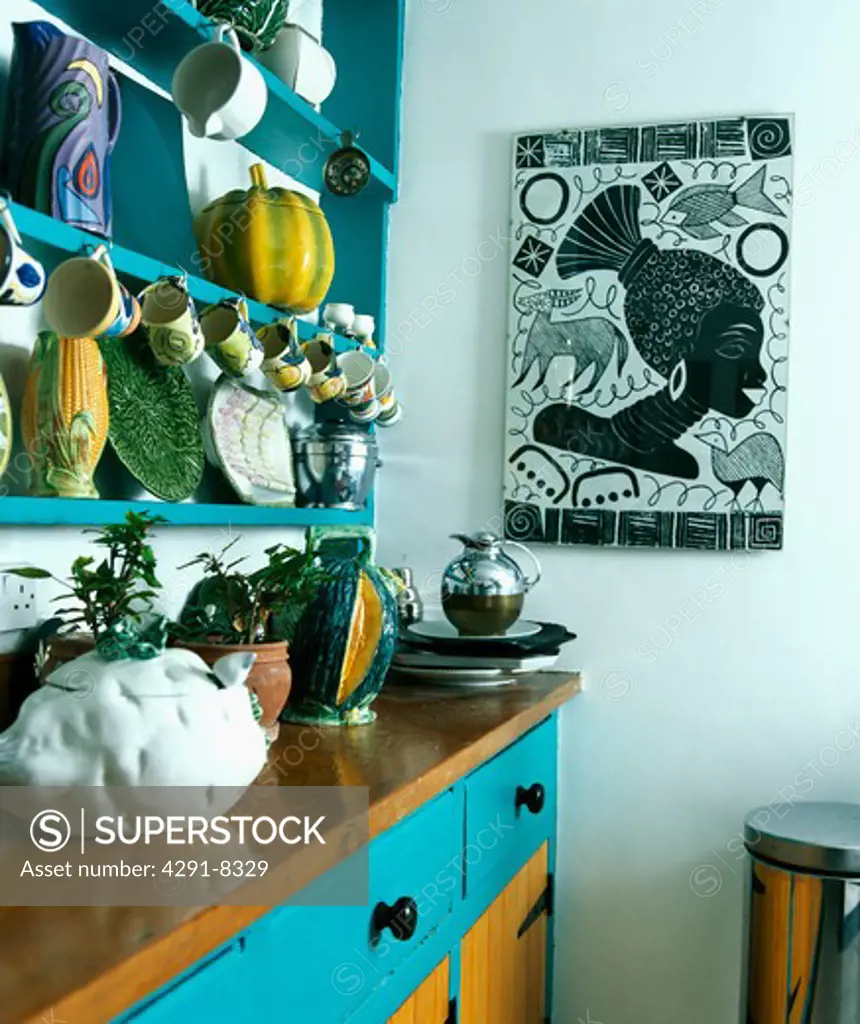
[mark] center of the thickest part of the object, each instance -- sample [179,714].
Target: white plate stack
[433,651]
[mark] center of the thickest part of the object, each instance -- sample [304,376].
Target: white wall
[660,758]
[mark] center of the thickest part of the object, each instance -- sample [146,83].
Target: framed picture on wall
[648,335]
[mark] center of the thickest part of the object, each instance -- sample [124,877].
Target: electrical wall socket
[19,603]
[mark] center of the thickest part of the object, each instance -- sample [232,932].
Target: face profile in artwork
[693,319]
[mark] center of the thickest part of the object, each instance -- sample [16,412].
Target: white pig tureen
[166,721]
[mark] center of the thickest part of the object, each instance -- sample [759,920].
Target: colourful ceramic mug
[319,352]
[229,338]
[365,413]
[128,318]
[358,370]
[284,363]
[84,299]
[332,385]
[22,278]
[390,410]
[171,321]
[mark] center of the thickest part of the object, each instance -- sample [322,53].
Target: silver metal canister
[802,925]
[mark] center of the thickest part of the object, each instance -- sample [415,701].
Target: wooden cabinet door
[503,977]
[428,1004]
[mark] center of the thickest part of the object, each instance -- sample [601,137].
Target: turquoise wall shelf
[83,512]
[152,218]
[153,38]
[63,240]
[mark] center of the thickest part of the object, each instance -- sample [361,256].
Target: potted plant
[99,595]
[230,611]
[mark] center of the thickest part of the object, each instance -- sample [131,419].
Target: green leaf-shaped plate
[5,427]
[154,420]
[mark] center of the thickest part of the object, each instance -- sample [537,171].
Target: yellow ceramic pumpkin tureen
[272,244]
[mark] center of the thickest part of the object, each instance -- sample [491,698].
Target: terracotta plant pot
[270,678]
[65,648]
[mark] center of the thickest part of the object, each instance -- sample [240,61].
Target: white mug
[339,316]
[222,94]
[22,277]
[363,327]
[299,61]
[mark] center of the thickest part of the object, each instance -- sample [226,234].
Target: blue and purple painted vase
[62,122]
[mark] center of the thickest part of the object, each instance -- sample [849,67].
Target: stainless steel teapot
[483,588]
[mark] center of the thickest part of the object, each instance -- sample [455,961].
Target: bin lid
[816,837]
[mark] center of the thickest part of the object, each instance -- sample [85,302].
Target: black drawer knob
[401,919]
[533,798]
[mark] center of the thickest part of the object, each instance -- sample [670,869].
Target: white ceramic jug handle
[227,34]
[529,583]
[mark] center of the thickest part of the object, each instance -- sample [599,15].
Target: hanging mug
[171,321]
[284,363]
[84,299]
[390,409]
[357,367]
[22,278]
[229,338]
[331,386]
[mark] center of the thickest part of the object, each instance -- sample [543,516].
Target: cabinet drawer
[329,960]
[510,805]
[215,991]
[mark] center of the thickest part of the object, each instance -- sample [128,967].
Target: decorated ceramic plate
[5,427]
[154,420]
[442,629]
[249,440]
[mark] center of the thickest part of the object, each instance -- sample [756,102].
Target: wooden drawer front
[215,991]
[500,834]
[324,958]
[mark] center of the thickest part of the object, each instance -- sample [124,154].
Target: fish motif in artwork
[696,208]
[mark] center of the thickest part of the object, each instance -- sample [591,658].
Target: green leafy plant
[231,607]
[123,585]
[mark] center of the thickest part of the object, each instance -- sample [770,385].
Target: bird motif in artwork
[758,460]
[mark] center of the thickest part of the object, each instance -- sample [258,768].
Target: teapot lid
[483,540]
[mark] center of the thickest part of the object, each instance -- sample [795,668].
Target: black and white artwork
[648,335]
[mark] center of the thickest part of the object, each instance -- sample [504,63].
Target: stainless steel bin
[802,925]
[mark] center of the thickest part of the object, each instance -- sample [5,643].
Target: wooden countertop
[87,964]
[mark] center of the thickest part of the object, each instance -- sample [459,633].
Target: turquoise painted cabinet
[476,862]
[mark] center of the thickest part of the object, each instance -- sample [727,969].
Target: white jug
[299,61]
[222,94]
